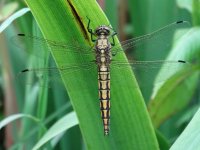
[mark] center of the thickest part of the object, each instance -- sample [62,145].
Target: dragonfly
[103,51]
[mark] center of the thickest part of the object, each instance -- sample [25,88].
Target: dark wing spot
[21,34]
[181,61]
[179,22]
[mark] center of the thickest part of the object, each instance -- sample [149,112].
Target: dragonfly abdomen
[104,96]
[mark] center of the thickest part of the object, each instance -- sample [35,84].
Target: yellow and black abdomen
[103,60]
[104,95]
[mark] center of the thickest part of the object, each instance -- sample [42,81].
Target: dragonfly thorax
[102,44]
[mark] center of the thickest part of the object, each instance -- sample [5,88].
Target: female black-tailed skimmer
[104,50]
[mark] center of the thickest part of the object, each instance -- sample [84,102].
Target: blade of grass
[163,143]
[190,138]
[167,100]
[59,127]
[28,136]
[187,4]
[196,12]
[11,118]
[170,98]
[16,15]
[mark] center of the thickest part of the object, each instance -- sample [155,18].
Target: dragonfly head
[102,30]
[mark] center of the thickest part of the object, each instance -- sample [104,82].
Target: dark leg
[90,30]
[113,40]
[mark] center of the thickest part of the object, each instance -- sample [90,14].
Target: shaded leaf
[59,127]
[12,118]
[186,4]
[189,139]
[169,98]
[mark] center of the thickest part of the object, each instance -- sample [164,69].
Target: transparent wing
[144,71]
[154,42]
[30,43]
[157,41]
[152,46]
[46,77]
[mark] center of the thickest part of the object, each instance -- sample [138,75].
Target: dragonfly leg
[90,31]
[113,40]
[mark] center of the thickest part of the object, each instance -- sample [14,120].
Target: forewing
[154,43]
[33,44]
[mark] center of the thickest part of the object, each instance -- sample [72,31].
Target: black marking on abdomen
[104,97]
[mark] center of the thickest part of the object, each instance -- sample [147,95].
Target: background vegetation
[36,116]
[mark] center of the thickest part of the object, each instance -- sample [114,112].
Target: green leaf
[131,127]
[170,99]
[196,12]
[111,9]
[11,118]
[59,127]
[16,15]
[148,16]
[163,144]
[189,139]
[187,115]
[187,4]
